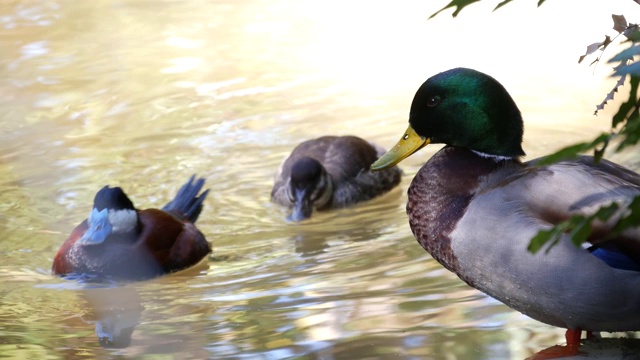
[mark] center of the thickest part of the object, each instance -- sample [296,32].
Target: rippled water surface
[142,94]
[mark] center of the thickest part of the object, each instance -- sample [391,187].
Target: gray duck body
[476,216]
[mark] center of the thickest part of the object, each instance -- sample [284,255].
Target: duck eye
[433,101]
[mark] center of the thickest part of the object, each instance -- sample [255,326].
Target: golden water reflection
[143,94]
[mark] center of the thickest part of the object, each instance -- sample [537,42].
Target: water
[142,94]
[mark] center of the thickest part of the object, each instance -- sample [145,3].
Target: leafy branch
[624,58]
[461,4]
[578,227]
[625,124]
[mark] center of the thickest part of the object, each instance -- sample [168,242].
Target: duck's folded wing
[566,285]
[557,192]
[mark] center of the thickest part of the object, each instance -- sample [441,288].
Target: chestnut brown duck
[330,172]
[474,206]
[121,242]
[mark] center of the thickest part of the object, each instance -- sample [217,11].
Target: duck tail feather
[187,204]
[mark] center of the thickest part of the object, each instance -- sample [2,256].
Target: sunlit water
[143,94]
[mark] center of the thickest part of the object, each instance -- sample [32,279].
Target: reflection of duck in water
[330,172]
[118,240]
[475,207]
[116,312]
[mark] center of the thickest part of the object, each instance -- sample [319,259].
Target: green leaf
[631,131]
[505,2]
[541,238]
[461,4]
[632,219]
[572,151]
[632,69]
[626,54]
[606,212]
[578,228]
[458,4]
[632,33]
[581,229]
[599,153]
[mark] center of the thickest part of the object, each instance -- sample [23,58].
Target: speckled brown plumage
[439,195]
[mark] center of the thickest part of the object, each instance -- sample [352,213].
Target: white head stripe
[492,157]
[123,221]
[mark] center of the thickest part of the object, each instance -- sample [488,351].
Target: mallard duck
[119,241]
[330,172]
[474,206]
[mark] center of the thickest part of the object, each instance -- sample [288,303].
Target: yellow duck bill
[407,145]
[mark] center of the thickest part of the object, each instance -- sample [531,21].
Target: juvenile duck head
[310,187]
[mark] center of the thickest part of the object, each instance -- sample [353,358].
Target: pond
[143,94]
